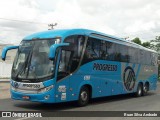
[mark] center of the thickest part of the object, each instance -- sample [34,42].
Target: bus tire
[139,91]
[83,96]
[145,88]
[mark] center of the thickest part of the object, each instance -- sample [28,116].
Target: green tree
[146,44]
[155,44]
[137,40]
[152,44]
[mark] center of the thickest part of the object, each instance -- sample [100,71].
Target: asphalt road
[151,102]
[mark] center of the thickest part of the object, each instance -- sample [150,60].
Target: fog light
[46,97]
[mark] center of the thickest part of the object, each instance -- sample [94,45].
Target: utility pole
[126,38]
[52,26]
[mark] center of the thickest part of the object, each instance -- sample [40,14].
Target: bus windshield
[31,63]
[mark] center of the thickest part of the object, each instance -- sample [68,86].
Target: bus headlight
[45,89]
[12,88]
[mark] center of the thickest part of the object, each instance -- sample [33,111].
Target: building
[10,54]
[6,66]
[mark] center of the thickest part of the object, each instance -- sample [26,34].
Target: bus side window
[124,53]
[153,59]
[92,51]
[118,54]
[70,55]
[132,55]
[77,52]
[88,52]
[111,51]
[148,57]
[143,57]
[103,51]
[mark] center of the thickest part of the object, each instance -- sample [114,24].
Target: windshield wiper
[29,63]
[22,67]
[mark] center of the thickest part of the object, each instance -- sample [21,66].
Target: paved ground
[151,102]
[4,90]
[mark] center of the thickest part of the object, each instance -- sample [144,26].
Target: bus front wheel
[139,91]
[83,96]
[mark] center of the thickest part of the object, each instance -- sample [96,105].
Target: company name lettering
[104,67]
[31,85]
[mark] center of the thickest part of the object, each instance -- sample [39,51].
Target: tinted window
[70,56]
[122,53]
[142,57]
[153,59]
[111,51]
[133,57]
[104,50]
[148,58]
[92,51]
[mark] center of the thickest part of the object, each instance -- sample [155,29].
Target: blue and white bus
[79,64]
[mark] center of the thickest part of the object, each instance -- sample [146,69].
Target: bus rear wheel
[139,91]
[145,89]
[83,96]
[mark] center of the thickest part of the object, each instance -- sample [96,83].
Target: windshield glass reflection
[32,60]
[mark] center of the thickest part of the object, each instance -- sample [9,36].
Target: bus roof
[67,32]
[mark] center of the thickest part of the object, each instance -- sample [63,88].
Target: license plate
[26,97]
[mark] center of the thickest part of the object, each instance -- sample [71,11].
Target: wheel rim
[139,91]
[145,89]
[84,95]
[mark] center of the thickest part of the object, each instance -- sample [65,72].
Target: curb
[4,81]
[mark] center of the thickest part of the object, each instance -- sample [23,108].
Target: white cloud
[134,18]
[140,25]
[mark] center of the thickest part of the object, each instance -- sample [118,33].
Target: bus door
[63,73]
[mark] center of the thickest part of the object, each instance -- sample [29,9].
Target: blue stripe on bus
[133,66]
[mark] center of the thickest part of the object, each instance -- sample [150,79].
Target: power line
[141,32]
[4,42]
[14,20]
[51,25]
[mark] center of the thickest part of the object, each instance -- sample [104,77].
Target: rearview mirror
[53,49]
[5,49]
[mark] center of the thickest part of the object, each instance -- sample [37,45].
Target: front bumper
[39,97]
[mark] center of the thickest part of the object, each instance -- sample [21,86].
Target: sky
[121,18]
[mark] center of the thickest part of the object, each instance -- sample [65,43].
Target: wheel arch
[147,83]
[88,85]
